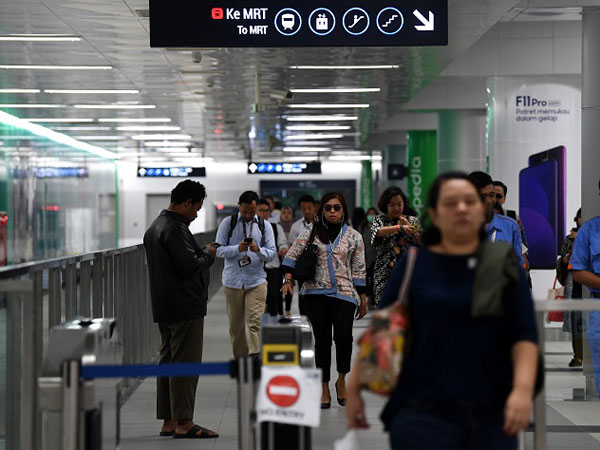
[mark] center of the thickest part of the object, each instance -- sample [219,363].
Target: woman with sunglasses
[392,233]
[337,293]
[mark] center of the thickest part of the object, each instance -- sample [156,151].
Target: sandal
[191,433]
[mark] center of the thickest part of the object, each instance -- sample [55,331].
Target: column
[461,140]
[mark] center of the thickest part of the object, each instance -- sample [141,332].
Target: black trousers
[274,296]
[324,314]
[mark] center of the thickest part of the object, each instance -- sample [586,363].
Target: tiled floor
[216,405]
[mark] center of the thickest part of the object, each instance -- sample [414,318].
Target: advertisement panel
[534,147]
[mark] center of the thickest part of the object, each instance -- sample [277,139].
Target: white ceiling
[209,93]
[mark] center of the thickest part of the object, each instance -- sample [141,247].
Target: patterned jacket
[339,269]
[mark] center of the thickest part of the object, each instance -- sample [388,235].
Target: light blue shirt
[505,229]
[586,250]
[253,274]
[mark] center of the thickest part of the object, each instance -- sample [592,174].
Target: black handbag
[306,265]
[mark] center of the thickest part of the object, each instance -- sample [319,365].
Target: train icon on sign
[288,21]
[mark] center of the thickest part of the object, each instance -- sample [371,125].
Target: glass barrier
[34,297]
[567,412]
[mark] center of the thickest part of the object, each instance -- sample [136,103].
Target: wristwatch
[287,280]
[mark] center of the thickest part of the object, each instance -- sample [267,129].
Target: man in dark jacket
[179,275]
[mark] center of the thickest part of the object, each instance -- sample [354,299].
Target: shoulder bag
[382,345]
[306,265]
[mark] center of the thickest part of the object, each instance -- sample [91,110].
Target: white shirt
[297,228]
[281,243]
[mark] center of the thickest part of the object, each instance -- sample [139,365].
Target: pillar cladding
[590,114]
[461,140]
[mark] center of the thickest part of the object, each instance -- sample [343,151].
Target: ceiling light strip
[334,90]
[332,118]
[114,106]
[91,91]
[354,67]
[19,91]
[50,67]
[38,130]
[135,120]
[328,105]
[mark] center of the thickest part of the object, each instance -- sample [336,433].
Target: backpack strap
[275,233]
[232,224]
[261,227]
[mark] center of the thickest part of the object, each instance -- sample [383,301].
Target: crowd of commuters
[469,290]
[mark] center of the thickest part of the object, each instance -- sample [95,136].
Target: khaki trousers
[181,342]
[245,308]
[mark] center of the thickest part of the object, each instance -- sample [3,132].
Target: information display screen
[266,168]
[309,23]
[171,172]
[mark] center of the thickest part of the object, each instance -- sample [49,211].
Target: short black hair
[480,179]
[306,198]
[188,190]
[502,185]
[248,197]
[387,195]
[263,201]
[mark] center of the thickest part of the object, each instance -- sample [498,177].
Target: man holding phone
[246,242]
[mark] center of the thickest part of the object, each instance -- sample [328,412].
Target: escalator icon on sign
[288,22]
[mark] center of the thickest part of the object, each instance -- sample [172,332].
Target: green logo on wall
[422,166]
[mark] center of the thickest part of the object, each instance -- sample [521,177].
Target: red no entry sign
[283,391]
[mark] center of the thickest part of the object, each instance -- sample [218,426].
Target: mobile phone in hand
[215,245]
[248,240]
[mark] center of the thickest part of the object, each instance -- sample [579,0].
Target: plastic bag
[348,442]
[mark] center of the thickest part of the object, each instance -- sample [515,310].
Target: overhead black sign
[307,23]
[397,171]
[267,168]
[171,172]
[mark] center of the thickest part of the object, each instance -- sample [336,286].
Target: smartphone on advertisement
[558,154]
[538,210]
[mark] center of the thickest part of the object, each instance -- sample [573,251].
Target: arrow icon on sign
[427,23]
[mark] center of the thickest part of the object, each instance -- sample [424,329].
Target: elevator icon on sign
[321,21]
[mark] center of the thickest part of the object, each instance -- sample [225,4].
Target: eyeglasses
[263,210]
[336,207]
[499,196]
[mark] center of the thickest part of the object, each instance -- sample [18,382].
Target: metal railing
[40,295]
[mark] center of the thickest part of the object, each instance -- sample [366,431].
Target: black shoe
[575,362]
[341,401]
[326,405]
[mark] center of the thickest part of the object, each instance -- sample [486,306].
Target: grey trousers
[181,342]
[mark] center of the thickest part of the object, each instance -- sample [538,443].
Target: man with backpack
[246,242]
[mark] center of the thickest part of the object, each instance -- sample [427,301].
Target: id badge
[244,261]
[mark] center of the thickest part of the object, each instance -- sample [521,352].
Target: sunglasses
[336,208]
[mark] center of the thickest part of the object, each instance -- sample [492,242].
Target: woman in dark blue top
[468,378]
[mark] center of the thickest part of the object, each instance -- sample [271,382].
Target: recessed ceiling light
[318,127]
[31,105]
[100,138]
[161,137]
[149,128]
[334,90]
[328,105]
[114,106]
[81,128]
[139,120]
[91,91]
[40,38]
[333,118]
[308,137]
[58,120]
[306,149]
[167,144]
[48,67]
[355,158]
[20,91]
[356,67]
